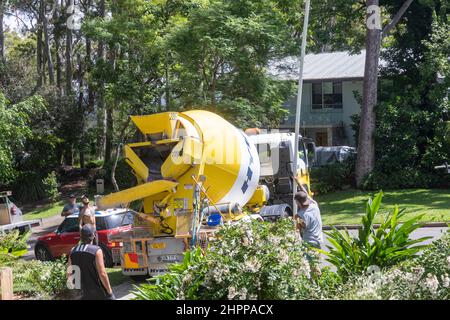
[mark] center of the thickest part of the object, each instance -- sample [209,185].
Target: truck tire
[42,253]
[107,256]
[275,212]
[140,278]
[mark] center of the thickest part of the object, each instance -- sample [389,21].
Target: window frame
[323,105]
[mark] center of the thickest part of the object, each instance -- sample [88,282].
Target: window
[69,225]
[121,219]
[327,95]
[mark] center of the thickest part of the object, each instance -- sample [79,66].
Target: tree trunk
[366,143]
[109,133]
[118,151]
[69,57]
[57,37]
[81,110]
[2,34]
[39,54]
[365,161]
[68,155]
[101,111]
[90,92]
[48,54]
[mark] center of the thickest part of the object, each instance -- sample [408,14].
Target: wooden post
[6,284]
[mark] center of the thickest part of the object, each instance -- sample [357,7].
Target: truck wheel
[140,278]
[275,212]
[42,253]
[107,257]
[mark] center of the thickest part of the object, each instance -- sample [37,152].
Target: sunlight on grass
[116,276]
[347,207]
[46,211]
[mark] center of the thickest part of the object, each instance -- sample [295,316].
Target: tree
[220,59]
[374,34]
[14,131]
[2,33]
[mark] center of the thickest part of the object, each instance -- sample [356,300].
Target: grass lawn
[116,276]
[347,207]
[45,211]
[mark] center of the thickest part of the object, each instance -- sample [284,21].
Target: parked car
[62,240]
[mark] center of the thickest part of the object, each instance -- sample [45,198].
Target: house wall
[319,120]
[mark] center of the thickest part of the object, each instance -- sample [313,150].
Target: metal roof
[331,65]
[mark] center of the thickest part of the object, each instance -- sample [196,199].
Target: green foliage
[14,243]
[423,278]
[42,280]
[14,130]
[412,132]
[32,186]
[50,185]
[332,177]
[383,247]
[249,260]
[219,57]
[179,278]
[124,176]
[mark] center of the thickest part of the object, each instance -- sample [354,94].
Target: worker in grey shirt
[71,208]
[311,221]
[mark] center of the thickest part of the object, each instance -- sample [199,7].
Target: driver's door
[68,235]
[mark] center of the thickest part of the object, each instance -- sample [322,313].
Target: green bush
[43,280]
[50,185]
[32,186]
[171,284]
[332,177]
[248,260]
[124,176]
[13,242]
[425,277]
[384,247]
[404,179]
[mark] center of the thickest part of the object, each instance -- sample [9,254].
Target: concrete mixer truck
[196,171]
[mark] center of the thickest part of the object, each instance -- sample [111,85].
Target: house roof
[332,65]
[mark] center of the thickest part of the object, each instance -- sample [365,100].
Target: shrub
[32,186]
[124,176]
[425,277]
[332,177]
[14,243]
[248,260]
[50,185]
[384,247]
[43,280]
[181,281]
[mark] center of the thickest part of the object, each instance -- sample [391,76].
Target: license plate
[158,245]
[168,258]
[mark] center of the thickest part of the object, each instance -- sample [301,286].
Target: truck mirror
[311,148]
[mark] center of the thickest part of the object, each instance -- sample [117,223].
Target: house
[331,81]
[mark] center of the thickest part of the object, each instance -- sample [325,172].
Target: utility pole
[299,99]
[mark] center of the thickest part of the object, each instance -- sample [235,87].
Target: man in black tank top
[89,259]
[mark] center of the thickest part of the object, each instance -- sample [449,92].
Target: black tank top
[83,256]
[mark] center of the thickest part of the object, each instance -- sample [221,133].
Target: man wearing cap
[89,259]
[71,208]
[309,213]
[87,216]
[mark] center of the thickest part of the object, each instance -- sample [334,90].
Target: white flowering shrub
[249,260]
[258,261]
[425,277]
